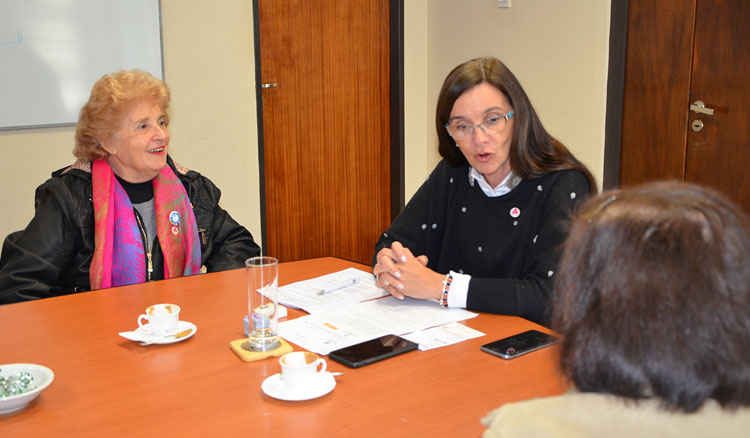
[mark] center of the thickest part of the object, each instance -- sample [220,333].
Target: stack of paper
[351,324]
[343,312]
[330,291]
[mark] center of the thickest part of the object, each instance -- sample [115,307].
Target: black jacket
[52,255]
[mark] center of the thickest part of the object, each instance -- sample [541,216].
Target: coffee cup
[301,369]
[161,319]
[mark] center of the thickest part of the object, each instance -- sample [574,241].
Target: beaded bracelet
[446,288]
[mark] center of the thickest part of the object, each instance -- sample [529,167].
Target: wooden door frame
[396,111]
[615,93]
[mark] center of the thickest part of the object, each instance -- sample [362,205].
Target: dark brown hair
[533,152]
[652,296]
[110,97]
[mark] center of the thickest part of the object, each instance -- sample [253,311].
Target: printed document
[443,335]
[333,290]
[349,324]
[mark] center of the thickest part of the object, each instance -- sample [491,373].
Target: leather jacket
[52,255]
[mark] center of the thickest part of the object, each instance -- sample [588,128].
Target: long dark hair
[652,295]
[533,152]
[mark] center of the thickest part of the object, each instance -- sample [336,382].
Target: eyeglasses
[460,130]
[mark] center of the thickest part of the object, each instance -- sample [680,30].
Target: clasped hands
[402,274]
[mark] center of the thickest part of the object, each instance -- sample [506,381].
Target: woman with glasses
[484,231]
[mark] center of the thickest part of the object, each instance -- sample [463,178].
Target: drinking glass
[262,274]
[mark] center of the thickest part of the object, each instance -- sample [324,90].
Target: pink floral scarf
[119,257]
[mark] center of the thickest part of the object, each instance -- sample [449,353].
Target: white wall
[28,158]
[209,66]
[558,50]
[419,107]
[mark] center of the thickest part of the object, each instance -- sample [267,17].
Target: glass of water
[262,274]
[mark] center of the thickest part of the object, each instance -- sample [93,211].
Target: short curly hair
[110,98]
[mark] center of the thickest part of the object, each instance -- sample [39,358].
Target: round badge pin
[175,230]
[515,212]
[174,218]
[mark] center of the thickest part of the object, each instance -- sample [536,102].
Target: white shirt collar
[506,185]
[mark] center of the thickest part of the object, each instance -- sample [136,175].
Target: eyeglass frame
[507,117]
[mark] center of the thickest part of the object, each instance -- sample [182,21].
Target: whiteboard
[53,51]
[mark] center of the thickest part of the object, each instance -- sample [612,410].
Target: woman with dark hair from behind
[653,300]
[484,231]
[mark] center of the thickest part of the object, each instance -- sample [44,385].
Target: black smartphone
[371,351]
[519,344]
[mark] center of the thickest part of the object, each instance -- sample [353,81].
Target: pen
[347,283]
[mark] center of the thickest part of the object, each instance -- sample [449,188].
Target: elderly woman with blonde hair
[124,212]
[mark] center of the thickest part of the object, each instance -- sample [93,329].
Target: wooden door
[719,154]
[326,126]
[679,52]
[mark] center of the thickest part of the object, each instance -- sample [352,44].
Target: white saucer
[276,388]
[141,334]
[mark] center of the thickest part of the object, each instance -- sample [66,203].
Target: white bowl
[43,376]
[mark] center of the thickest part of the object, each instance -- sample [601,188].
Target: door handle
[700,108]
[274,84]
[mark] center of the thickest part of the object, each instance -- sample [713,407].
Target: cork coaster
[240,348]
